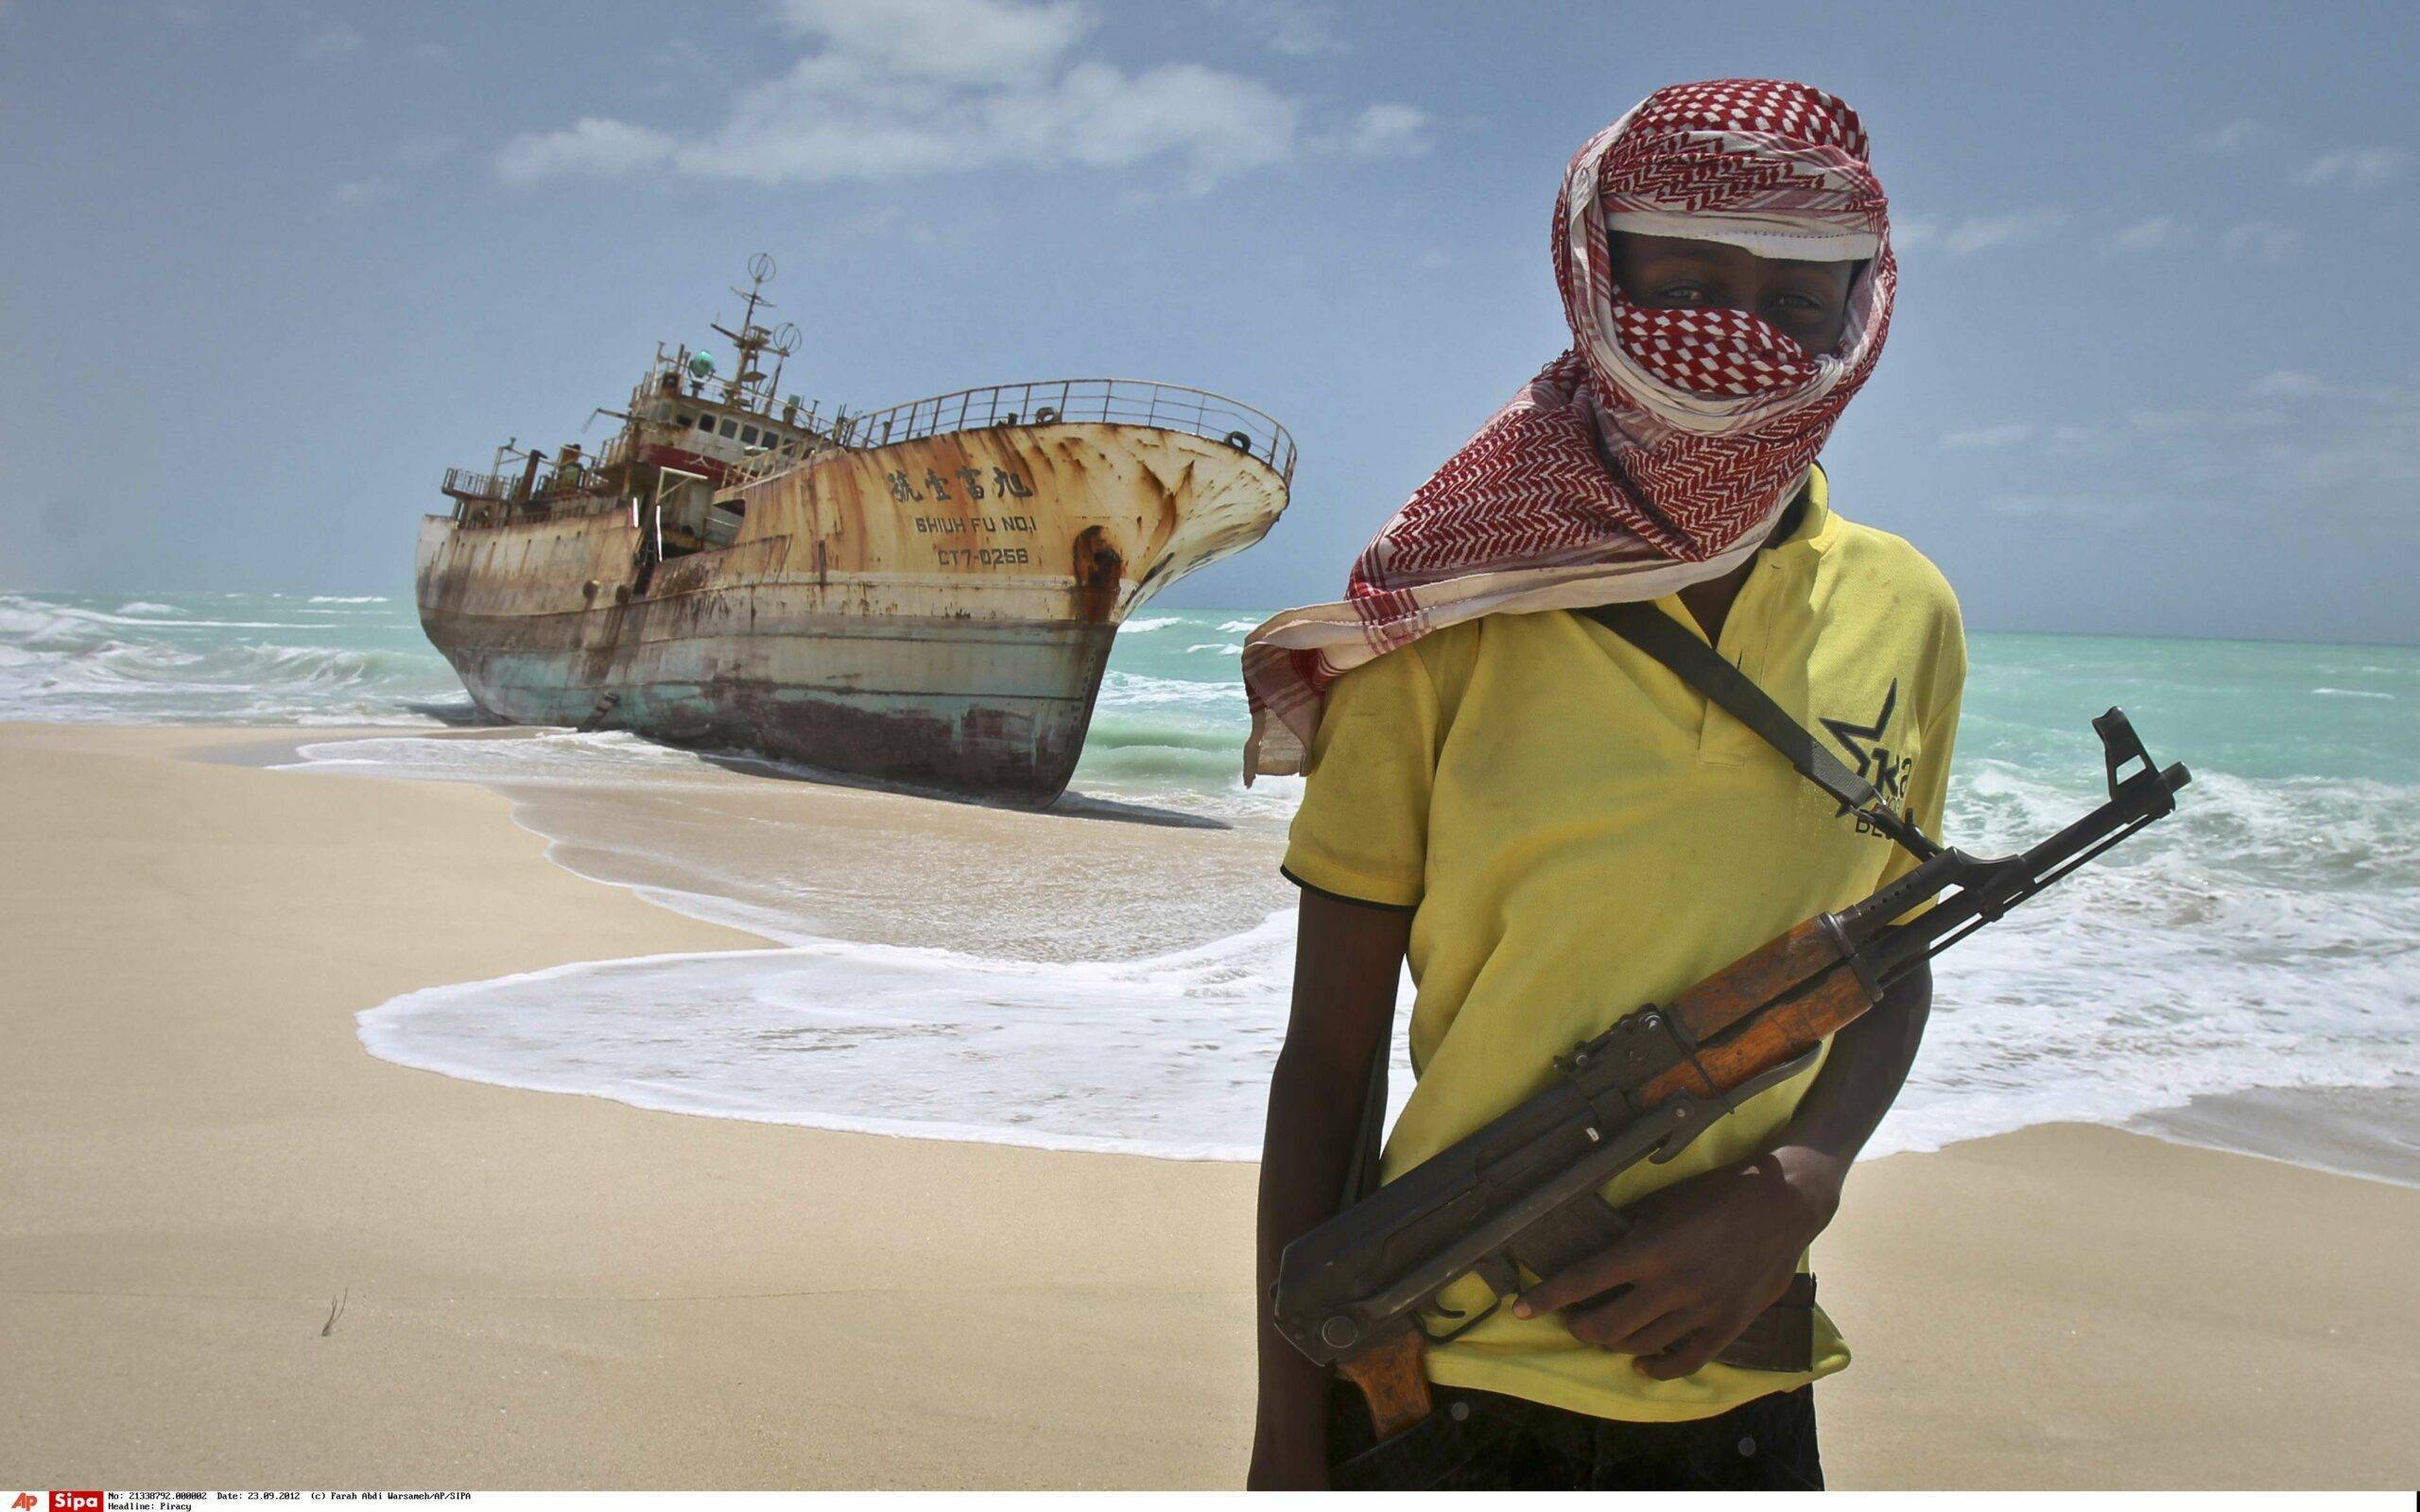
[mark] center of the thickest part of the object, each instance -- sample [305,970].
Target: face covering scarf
[1661,448]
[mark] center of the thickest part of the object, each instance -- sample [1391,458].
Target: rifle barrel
[1987,888]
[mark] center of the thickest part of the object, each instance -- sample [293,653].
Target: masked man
[1555,828]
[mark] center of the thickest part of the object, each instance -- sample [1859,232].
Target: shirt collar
[1814,527]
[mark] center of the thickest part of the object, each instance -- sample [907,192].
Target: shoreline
[600,833]
[567,1291]
[2367,1133]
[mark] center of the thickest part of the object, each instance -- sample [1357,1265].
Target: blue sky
[268,268]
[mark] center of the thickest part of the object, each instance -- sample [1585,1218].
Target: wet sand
[241,1252]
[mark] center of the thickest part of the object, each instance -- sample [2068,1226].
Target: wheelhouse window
[706,424]
[731,427]
[747,435]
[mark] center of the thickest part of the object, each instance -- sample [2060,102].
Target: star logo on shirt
[1854,739]
[1888,770]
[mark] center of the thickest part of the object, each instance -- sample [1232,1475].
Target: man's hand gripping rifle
[1521,1193]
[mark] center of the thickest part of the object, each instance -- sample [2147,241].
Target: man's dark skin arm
[1347,960]
[1711,1252]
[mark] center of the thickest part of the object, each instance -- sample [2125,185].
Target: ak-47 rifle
[1522,1193]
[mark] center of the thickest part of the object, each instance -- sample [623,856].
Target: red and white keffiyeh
[1659,450]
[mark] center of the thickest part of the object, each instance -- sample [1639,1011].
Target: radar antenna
[747,384]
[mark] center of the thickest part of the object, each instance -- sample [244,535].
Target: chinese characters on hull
[1003,484]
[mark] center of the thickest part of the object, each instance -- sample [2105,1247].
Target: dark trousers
[1480,1440]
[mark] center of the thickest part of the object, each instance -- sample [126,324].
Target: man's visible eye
[1680,294]
[1797,302]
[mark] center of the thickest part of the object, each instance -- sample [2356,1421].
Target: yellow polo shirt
[1582,833]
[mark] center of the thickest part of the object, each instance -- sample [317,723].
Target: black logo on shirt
[1887,769]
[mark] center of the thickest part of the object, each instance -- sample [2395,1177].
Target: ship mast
[748,387]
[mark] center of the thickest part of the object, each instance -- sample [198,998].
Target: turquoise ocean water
[2263,937]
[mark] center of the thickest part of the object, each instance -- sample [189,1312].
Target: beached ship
[924,594]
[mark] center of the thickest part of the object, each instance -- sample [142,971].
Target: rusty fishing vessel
[925,594]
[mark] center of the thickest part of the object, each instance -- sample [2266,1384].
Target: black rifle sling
[1702,667]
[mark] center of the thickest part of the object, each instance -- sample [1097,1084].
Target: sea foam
[2262,936]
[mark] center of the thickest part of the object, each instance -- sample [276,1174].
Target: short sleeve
[1362,832]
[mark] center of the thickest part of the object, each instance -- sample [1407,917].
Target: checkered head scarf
[1661,448]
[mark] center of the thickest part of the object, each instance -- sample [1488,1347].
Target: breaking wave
[2266,935]
[215,659]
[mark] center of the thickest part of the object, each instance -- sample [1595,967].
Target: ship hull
[865,621]
[995,711]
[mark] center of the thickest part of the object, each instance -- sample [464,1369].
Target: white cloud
[336,40]
[933,86]
[2263,240]
[1296,28]
[2173,421]
[968,40]
[1914,230]
[2359,458]
[1987,437]
[1970,234]
[2355,167]
[2195,425]
[2078,438]
[1978,233]
[600,147]
[355,193]
[2149,235]
[2353,462]
[2287,384]
[2234,136]
[1386,131]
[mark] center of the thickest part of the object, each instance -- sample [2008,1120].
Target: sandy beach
[243,1252]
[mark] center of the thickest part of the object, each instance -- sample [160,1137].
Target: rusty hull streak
[948,641]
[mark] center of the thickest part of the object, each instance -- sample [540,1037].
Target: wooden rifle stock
[1805,968]
[1393,1378]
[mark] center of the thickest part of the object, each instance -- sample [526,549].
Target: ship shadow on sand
[1068,805]
[455,714]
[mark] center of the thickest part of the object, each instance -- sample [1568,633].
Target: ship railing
[495,498]
[468,482]
[1068,400]
[755,397]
